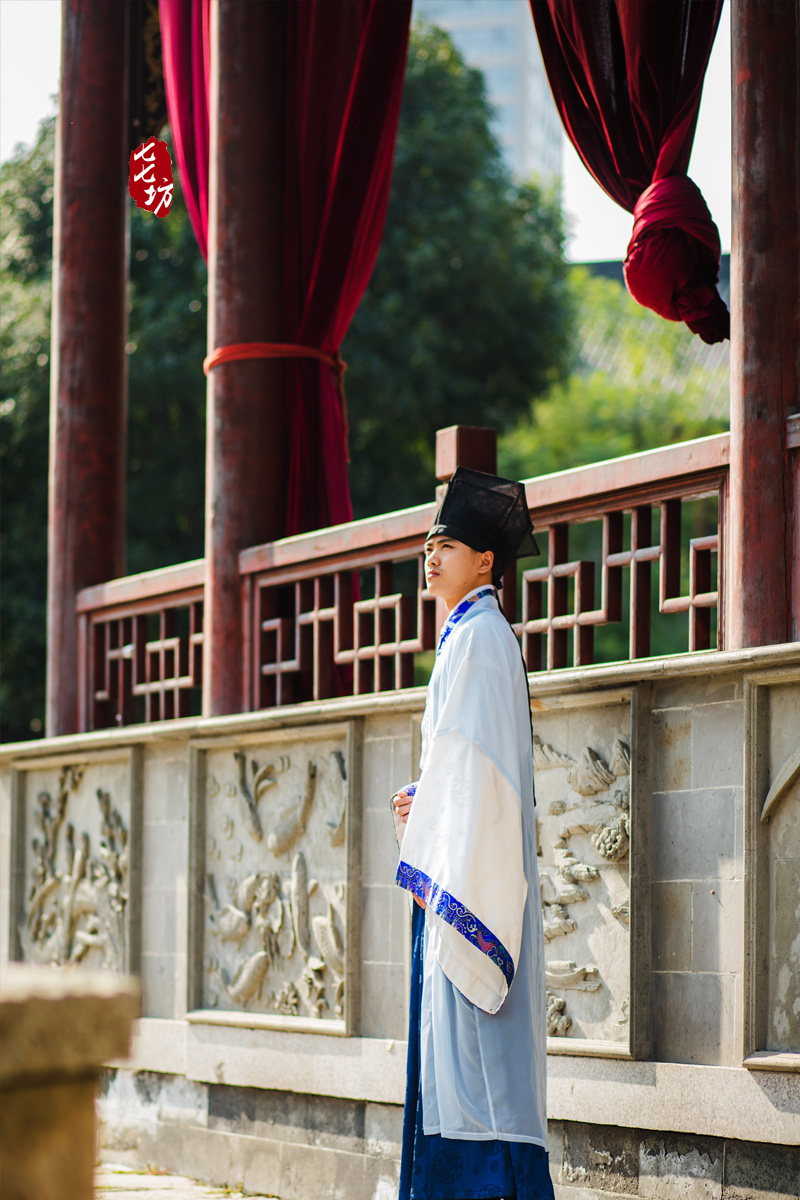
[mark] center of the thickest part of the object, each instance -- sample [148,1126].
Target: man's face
[452,569]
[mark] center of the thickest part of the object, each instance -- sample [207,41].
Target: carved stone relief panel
[582,775]
[76,851]
[773,846]
[276,915]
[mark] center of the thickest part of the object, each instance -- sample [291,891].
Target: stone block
[685,692]
[60,1024]
[672,1167]
[697,835]
[672,926]
[555,1143]
[257,1162]
[718,745]
[159,934]
[601,1156]
[383,1130]
[158,984]
[200,1153]
[695,1018]
[378,772]
[717,924]
[758,1171]
[384,1003]
[47,1143]
[379,856]
[403,768]
[166,785]
[307,1171]
[58,1029]
[381,1179]
[165,851]
[569,1192]
[672,750]
[348,1180]
[376,923]
[288,1117]
[401,923]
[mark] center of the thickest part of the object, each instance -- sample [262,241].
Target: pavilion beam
[86,521]
[246,470]
[765,322]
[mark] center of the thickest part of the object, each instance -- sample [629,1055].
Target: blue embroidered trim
[458,613]
[457,915]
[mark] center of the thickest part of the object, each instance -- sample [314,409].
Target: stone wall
[244,867]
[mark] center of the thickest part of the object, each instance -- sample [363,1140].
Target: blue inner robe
[438,1168]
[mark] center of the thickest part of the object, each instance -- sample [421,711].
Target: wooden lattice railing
[345,611]
[140,645]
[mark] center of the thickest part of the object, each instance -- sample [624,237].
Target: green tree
[641,382]
[26,231]
[468,314]
[166,404]
[166,390]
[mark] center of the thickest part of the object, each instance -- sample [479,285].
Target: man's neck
[478,587]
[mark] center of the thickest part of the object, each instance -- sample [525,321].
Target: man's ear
[486,563]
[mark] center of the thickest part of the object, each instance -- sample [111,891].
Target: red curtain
[627,77]
[345,69]
[185,51]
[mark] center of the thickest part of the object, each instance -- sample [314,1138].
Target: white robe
[469,848]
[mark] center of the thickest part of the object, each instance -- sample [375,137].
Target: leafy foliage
[26,231]
[602,411]
[468,314]
[640,385]
[166,391]
[166,402]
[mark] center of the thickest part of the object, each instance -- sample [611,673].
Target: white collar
[479,588]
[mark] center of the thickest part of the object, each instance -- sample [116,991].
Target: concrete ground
[113,1182]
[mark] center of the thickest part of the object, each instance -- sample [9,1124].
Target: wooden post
[765,326]
[86,526]
[246,438]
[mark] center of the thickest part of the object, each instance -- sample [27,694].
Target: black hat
[486,512]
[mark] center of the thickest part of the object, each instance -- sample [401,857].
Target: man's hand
[402,806]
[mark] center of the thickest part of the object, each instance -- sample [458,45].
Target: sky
[599,229]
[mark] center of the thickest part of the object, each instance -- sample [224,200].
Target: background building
[497,36]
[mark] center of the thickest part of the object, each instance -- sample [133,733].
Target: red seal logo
[150,177]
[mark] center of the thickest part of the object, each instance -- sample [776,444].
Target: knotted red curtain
[345,83]
[345,65]
[627,77]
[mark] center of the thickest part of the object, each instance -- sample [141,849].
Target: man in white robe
[475,1121]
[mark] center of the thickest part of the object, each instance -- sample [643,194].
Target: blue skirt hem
[434,1167]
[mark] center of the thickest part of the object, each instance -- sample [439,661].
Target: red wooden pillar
[765,327]
[86,529]
[246,438]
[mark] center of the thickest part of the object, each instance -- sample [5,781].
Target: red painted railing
[345,611]
[140,645]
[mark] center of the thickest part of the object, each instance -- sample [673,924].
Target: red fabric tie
[672,263]
[240,351]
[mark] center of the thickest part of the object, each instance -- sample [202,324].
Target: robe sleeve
[462,844]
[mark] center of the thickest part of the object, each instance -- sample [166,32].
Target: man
[475,1123]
